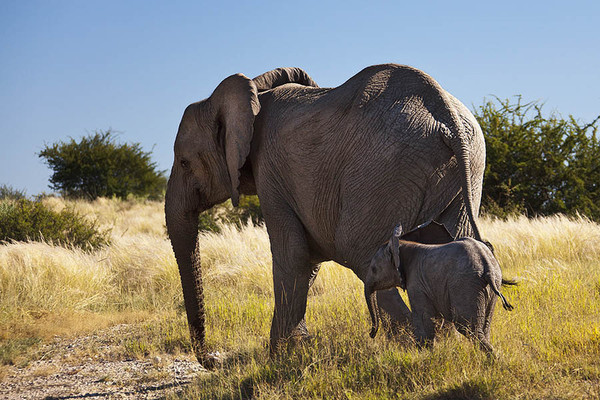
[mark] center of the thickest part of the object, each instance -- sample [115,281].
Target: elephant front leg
[292,276]
[291,291]
[422,319]
[393,305]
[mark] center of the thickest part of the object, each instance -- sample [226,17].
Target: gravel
[65,370]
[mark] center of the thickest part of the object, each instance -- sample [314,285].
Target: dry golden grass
[123,217]
[550,343]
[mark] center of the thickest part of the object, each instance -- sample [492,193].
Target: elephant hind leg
[485,345]
[484,336]
[489,312]
[476,333]
[456,218]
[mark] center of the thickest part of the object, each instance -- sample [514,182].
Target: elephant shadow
[474,389]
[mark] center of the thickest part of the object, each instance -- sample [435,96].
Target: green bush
[209,221]
[98,166]
[8,192]
[536,164]
[24,220]
[247,210]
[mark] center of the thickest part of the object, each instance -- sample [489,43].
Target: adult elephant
[335,170]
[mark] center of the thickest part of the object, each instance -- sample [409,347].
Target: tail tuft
[509,282]
[505,303]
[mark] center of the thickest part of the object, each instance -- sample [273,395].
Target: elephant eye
[185,163]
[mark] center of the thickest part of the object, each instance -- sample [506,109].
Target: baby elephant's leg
[475,329]
[484,333]
[488,316]
[423,313]
[485,345]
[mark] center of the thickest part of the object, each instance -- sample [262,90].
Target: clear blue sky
[68,68]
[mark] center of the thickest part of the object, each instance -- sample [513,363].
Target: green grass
[549,345]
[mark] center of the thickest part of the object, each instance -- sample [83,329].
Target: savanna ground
[111,323]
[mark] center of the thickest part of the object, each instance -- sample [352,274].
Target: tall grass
[549,345]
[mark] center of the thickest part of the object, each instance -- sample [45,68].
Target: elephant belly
[373,207]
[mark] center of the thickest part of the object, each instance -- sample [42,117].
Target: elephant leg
[292,276]
[392,304]
[424,327]
[486,346]
[291,290]
[456,218]
[300,332]
[474,326]
[477,335]
[483,334]
[487,323]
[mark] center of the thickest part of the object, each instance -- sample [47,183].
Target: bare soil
[91,367]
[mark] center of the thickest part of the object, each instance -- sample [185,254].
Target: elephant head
[384,273]
[212,145]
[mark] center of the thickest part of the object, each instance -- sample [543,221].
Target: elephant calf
[458,281]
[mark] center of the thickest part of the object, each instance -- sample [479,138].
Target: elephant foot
[299,337]
[396,317]
[210,360]
[292,348]
[444,328]
[399,331]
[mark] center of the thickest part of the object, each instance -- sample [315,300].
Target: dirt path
[67,371]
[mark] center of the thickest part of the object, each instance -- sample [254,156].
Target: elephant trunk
[182,228]
[371,298]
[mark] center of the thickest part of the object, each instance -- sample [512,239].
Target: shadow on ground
[471,390]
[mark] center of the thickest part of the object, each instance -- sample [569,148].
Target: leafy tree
[536,164]
[98,166]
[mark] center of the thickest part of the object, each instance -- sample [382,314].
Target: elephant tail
[505,302]
[455,137]
[489,279]
[509,282]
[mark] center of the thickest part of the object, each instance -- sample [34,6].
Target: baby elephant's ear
[398,231]
[394,245]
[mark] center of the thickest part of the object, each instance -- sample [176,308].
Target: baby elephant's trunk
[371,298]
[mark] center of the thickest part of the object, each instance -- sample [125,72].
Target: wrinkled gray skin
[335,169]
[458,281]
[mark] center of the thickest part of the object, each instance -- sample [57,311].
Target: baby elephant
[458,281]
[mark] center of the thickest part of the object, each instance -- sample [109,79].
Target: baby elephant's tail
[505,302]
[509,282]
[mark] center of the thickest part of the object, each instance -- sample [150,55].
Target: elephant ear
[395,246]
[236,103]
